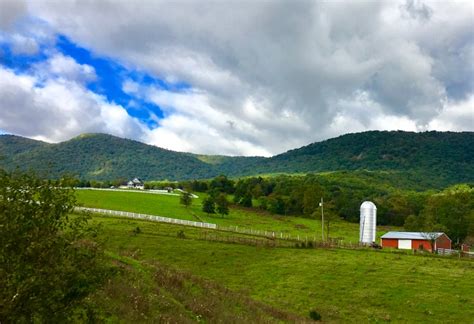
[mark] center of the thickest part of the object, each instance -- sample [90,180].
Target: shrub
[209,205]
[49,262]
[186,199]
[181,234]
[314,315]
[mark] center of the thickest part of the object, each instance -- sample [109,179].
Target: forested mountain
[440,158]
[447,156]
[11,146]
[101,157]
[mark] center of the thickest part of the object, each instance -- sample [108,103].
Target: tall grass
[342,285]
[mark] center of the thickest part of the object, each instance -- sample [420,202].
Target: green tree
[311,199]
[329,218]
[263,202]
[48,261]
[453,210]
[246,200]
[257,191]
[209,205]
[222,205]
[186,199]
[222,184]
[412,223]
[276,204]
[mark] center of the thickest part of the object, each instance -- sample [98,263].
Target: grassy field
[153,204]
[169,206]
[355,286]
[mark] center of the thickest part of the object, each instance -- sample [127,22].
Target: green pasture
[353,286]
[169,206]
[137,202]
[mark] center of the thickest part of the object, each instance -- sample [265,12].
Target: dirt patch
[301,226]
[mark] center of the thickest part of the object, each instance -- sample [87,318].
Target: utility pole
[321,204]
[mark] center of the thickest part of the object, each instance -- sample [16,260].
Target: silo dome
[368,222]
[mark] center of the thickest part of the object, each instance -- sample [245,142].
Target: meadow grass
[150,292]
[169,206]
[137,202]
[342,285]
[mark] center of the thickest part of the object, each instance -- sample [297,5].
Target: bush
[49,262]
[209,205]
[186,199]
[314,315]
[181,234]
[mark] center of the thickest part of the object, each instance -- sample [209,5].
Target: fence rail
[274,236]
[460,253]
[446,251]
[147,217]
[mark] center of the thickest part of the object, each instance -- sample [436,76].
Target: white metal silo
[368,222]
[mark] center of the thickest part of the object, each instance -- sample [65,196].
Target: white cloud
[58,109]
[65,67]
[359,113]
[10,11]
[192,123]
[24,45]
[456,116]
[269,76]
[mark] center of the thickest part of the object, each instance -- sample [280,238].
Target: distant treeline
[450,210]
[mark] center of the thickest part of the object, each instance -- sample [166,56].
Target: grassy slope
[343,285]
[150,292]
[153,204]
[169,206]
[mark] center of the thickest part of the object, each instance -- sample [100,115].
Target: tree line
[450,210]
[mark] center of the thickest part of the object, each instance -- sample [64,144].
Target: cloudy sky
[234,77]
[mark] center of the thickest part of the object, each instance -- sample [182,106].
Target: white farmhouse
[136,183]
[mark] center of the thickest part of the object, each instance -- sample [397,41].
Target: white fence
[446,251]
[147,217]
[455,252]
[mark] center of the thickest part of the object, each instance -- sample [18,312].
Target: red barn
[415,240]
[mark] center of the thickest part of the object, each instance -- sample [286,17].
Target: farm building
[136,184]
[415,240]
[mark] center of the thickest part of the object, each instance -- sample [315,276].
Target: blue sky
[110,76]
[257,79]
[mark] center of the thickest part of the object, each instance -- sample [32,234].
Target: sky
[234,77]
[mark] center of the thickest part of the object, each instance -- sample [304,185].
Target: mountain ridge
[97,156]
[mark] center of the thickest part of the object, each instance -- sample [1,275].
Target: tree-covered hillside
[102,157]
[11,146]
[445,155]
[435,159]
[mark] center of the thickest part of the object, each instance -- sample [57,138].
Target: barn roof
[412,235]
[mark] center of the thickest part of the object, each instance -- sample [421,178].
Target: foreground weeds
[152,292]
[214,303]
